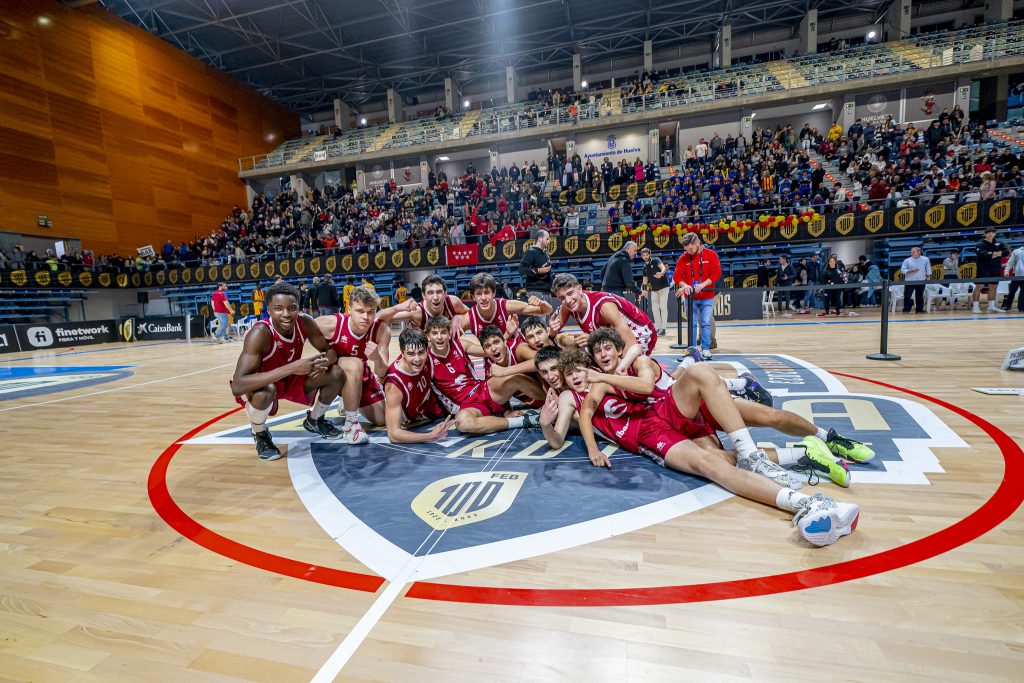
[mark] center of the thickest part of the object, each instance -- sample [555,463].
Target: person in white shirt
[1015,265]
[916,269]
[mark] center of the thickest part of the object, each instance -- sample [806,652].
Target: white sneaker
[995,309]
[976,309]
[822,521]
[758,463]
[354,434]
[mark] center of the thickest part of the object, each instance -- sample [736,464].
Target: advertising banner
[63,335]
[153,328]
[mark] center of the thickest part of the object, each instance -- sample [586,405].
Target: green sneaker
[847,448]
[817,460]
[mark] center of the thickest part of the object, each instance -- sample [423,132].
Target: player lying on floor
[409,396]
[479,405]
[270,367]
[663,432]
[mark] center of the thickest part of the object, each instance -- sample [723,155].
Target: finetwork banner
[63,335]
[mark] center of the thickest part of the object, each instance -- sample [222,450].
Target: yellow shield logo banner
[346,263]
[397,258]
[563,197]
[789,231]
[186,277]
[160,277]
[122,280]
[874,220]
[268,269]
[967,214]
[816,228]
[631,190]
[19,277]
[736,236]
[43,278]
[489,252]
[571,244]
[284,267]
[529,243]
[213,273]
[84,278]
[380,260]
[581,196]
[593,243]
[711,236]
[614,192]
[508,249]
[254,270]
[172,277]
[434,254]
[650,188]
[904,218]
[200,274]
[364,262]
[104,278]
[136,280]
[844,224]
[240,272]
[467,498]
[552,246]
[615,241]
[64,277]
[1000,211]
[147,278]
[315,265]
[935,216]
[415,256]
[661,239]
[225,273]
[299,266]
[761,232]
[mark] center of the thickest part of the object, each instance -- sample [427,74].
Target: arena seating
[39,305]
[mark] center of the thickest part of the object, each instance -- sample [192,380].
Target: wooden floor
[95,587]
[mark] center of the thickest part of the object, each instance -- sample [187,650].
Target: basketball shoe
[321,426]
[531,419]
[818,460]
[754,391]
[822,521]
[265,448]
[847,448]
[353,433]
[758,463]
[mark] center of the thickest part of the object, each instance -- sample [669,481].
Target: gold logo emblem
[380,260]
[43,278]
[213,273]
[489,252]
[186,276]
[595,196]
[148,279]
[299,266]
[284,267]
[661,239]
[935,216]
[650,188]
[844,224]
[346,263]
[332,263]
[104,279]
[711,237]
[593,243]
[268,269]
[572,244]
[529,243]
[999,211]
[415,256]
[160,277]
[631,190]
[200,274]
[816,228]
[136,280]
[552,246]
[967,214]
[315,265]
[128,330]
[19,277]
[581,196]
[467,498]
[434,254]
[789,231]
[172,277]
[122,280]
[614,191]
[364,262]
[563,197]
[84,278]
[904,218]
[508,249]
[761,232]
[254,270]
[240,271]
[397,258]
[736,236]
[874,220]
[225,273]
[64,277]
[615,241]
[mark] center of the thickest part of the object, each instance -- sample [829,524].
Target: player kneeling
[271,368]
[409,396]
[663,432]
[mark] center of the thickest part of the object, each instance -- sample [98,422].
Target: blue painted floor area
[37,370]
[29,381]
[124,347]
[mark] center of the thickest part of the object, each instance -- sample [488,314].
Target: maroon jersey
[347,344]
[418,400]
[447,310]
[499,317]
[636,320]
[662,388]
[511,344]
[616,419]
[282,351]
[453,378]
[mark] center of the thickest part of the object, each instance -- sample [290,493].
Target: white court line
[107,391]
[339,658]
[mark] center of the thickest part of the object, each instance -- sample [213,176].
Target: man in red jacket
[695,275]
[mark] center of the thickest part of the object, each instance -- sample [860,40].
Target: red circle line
[1006,499]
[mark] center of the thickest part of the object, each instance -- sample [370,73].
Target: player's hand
[512,325]
[549,411]
[407,306]
[594,375]
[371,348]
[500,371]
[456,327]
[580,339]
[621,368]
[440,431]
[311,365]
[554,325]
[599,459]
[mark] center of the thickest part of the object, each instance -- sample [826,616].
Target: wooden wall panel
[121,139]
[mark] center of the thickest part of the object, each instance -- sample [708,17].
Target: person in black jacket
[785,276]
[990,253]
[832,275]
[618,273]
[327,297]
[536,270]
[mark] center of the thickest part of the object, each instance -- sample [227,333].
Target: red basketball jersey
[418,400]
[448,310]
[499,317]
[282,351]
[345,343]
[636,320]
[453,378]
[662,388]
[511,344]
[616,419]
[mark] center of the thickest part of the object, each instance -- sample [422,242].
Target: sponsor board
[61,335]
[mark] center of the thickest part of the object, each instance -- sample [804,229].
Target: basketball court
[143,540]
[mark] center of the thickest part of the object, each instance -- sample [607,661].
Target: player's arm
[377,352]
[535,306]
[407,310]
[393,401]
[567,340]
[247,377]
[556,416]
[517,369]
[317,338]
[643,383]
[472,347]
[457,305]
[611,316]
[557,321]
[590,404]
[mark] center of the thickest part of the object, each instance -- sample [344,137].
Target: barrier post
[883,351]
[679,326]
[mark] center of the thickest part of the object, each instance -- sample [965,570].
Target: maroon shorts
[482,401]
[664,427]
[292,388]
[372,391]
[705,417]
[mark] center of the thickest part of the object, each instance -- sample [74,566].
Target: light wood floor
[94,587]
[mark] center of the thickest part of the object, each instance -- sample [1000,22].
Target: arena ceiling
[304,53]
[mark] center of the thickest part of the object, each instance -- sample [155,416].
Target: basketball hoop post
[883,351]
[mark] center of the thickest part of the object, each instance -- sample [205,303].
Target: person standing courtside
[990,252]
[536,269]
[697,270]
[618,273]
[222,310]
[656,287]
[916,269]
[327,298]
[1015,266]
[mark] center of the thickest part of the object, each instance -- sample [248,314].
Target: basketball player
[359,338]
[592,310]
[479,405]
[533,336]
[491,310]
[647,382]
[500,353]
[271,368]
[409,397]
[662,432]
[436,301]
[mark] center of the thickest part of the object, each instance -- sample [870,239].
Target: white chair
[936,292]
[768,304]
[242,326]
[895,296]
[960,292]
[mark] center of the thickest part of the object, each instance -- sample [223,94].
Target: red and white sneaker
[353,433]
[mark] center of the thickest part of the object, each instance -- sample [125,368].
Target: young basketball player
[491,310]
[534,332]
[436,301]
[500,353]
[664,433]
[479,405]
[360,339]
[271,368]
[592,310]
[409,396]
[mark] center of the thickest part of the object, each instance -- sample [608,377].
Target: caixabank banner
[156,328]
[62,335]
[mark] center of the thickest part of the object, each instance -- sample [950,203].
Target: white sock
[351,417]
[257,417]
[790,456]
[736,384]
[743,442]
[515,422]
[822,434]
[687,361]
[319,410]
[788,499]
